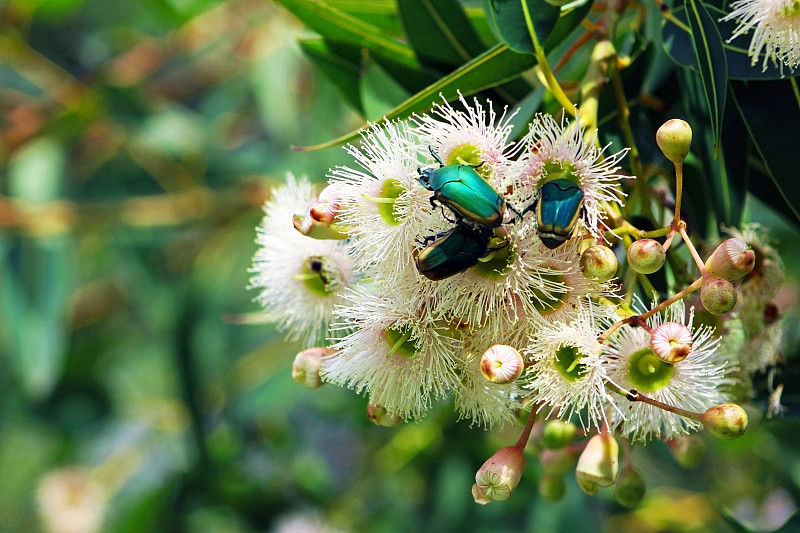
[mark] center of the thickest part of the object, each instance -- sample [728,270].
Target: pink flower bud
[672,342]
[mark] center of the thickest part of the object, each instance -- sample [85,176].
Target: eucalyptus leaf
[440,32]
[774,129]
[340,64]
[713,66]
[497,65]
[508,20]
[678,45]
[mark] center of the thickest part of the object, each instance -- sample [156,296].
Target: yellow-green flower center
[497,262]
[791,9]
[469,154]
[399,341]
[565,170]
[647,372]
[568,362]
[546,302]
[318,277]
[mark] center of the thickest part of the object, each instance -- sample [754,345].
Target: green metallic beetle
[559,206]
[464,192]
[453,251]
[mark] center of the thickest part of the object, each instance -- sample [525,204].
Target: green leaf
[35,283]
[380,93]
[713,66]
[569,19]
[678,45]
[494,67]
[773,129]
[340,64]
[440,32]
[336,26]
[507,18]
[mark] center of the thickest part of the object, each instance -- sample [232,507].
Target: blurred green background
[138,390]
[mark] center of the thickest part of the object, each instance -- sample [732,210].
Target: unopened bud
[598,464]
[551,487]
[646,256]
[629,488]
[558,434]
[672,342]
[558,462]
[725,421]
[327,206]
[307,364]
[380,416]
[732,260]
[500,474]
[599,262]
[674,137]
[718,295]
[688,450]
[501,364]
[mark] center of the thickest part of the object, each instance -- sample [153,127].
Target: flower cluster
[453,261]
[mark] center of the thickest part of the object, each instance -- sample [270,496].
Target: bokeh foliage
[138,144]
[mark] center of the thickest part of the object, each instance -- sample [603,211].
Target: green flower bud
[688,450]
[599,262]
[725,421]
[307,364]
[551,487]
[717,295]
[380,416]
[732,260]
[557,462]
[558,434]
[500,474]
[674,137]
[646,256]
[630,487]
[598,464]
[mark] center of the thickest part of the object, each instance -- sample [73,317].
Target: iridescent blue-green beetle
[464,192]
[558,206]
[453,251]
